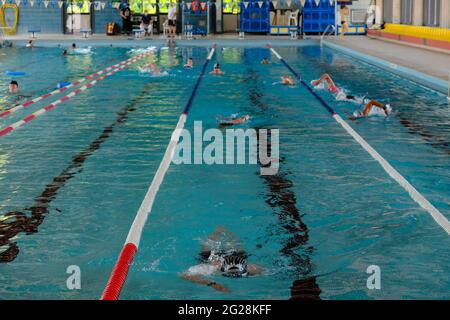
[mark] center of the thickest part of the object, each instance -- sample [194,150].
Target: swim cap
[14,82]
[234,266]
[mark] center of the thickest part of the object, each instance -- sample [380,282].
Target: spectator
[125,13]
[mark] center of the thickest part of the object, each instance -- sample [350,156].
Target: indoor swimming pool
[73,178]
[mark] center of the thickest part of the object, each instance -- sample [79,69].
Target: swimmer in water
[338,92]
[369,107]
[74,46]
[287,81]
[234,120]
[13,87]
[264,61]
[221,254]
[189,64]
[330,84]
[30,44]
[217,70]
[150,68]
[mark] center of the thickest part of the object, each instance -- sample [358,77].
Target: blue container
[316,18]
[254,18]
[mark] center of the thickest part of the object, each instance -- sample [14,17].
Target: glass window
[431,10]
[79,6]
[232,6]
[388,11]
[406,14]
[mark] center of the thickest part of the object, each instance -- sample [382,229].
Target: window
[388,7]
[431,10]
[358,16]
[79,6]
[232,6]
[139,6]
[406,13]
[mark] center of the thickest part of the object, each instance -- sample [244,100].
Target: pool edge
[408,73]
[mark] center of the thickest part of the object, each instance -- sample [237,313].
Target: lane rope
[119,274]
[438,217]
[52,105]
[60,90]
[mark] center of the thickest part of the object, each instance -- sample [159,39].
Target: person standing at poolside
[344,12]
[125,13]
[172,17]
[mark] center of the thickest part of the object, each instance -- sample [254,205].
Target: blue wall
[102,17]
[49,19]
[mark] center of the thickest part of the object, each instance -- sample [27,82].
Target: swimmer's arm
[206,282]
[371,104]
[254,269]
[216,234]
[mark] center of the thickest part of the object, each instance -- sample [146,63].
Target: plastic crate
[255,18]
[316,18]
[197,18]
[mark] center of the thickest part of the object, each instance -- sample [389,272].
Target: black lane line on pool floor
[281,197]
[18,221]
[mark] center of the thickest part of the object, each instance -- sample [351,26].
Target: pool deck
[429,62]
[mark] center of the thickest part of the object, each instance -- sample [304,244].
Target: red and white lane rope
[79,81]
[52,105]
[440,219]
[120,271]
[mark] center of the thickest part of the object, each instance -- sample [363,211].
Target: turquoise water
[74,178]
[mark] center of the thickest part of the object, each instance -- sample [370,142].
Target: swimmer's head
[74,45]
[388,108]
[65,52]
[234,266]
[217,66]
[246,117]
[13,86]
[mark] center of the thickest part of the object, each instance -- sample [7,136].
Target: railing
[329,30]
[448,91]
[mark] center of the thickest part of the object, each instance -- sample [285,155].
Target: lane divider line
[75,83]
[52,105]
[438,217]
[119,274]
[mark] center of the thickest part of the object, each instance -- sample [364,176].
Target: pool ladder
[329,30]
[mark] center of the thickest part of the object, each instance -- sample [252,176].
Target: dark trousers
[126,26]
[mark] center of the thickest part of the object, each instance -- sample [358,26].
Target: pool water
[73,179]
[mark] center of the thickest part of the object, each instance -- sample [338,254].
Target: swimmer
[30,44]
[221,254]
[150,68]
[189,64]
[338,92]
[287,81]
[234,120]
[330,84]
[217,70]
[65,52]
[74,46]
[13,87]
[370,109]
[264,61]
